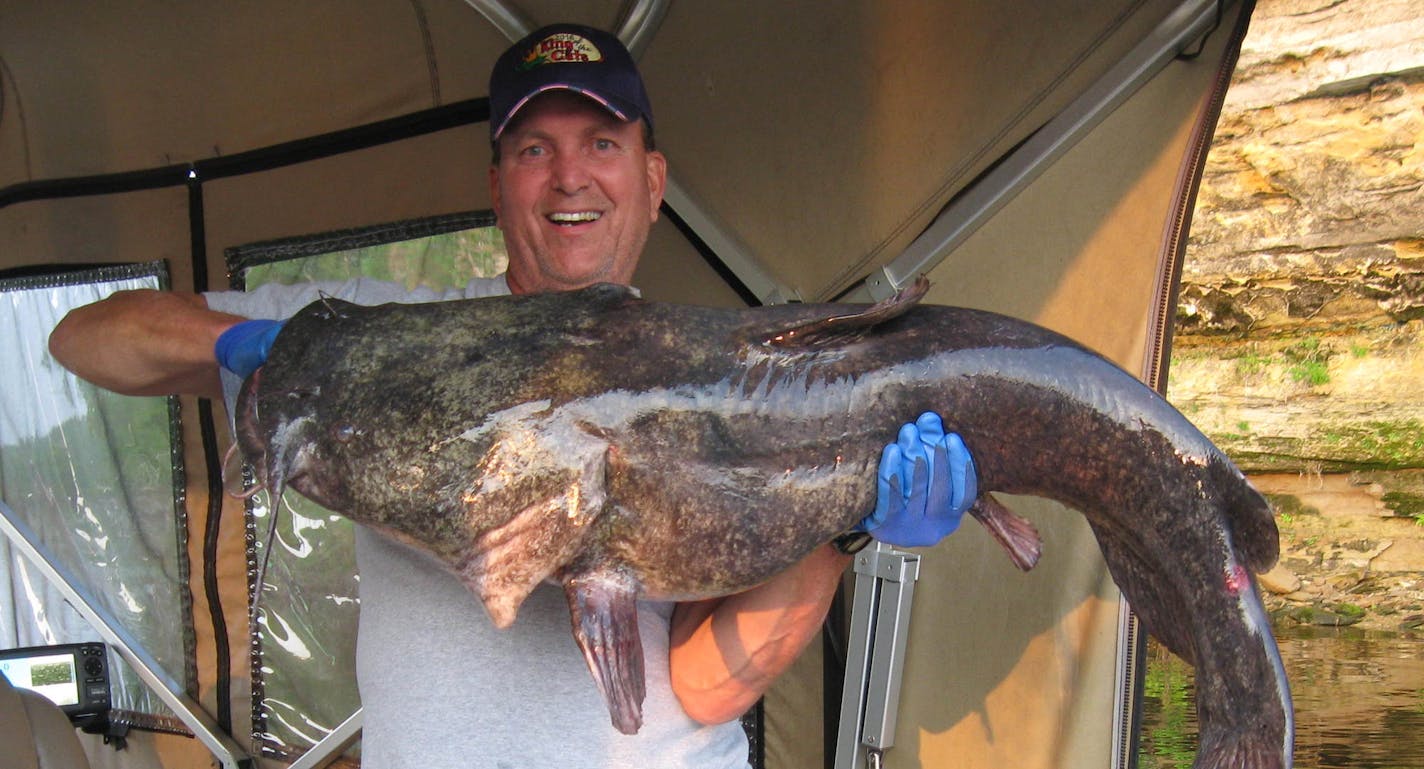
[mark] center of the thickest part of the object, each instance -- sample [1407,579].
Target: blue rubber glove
[926,482]
[243,348]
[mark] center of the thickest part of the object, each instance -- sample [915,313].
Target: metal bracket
[875,654]
[329,748]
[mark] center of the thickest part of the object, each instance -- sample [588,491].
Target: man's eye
[532,151]
[604,145]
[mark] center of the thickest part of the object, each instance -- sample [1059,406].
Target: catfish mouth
[274,457]
[248,449]
[245,418]
[280,438]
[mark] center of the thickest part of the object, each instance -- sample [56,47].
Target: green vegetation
[1332,615]
[1307,348]
[1308,362]
[1252,364]
[1404,503]
[1313,373]
[1379,443]
[1170,739]
[437,261]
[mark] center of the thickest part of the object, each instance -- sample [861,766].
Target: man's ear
[657,181]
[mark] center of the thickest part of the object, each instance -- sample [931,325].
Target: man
[576,184]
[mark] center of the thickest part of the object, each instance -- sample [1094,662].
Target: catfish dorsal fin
[841,328]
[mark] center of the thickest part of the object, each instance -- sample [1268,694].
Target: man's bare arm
[144,342]
[727,652]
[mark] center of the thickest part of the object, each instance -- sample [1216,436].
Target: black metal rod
[260,159]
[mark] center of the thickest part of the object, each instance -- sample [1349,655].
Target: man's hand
[243,348]
[926,482]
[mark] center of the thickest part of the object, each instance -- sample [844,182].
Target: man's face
[575,193]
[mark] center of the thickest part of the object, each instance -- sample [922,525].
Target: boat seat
[36,733]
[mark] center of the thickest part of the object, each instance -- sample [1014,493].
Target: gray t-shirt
[441,686]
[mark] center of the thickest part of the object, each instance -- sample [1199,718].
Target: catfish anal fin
[604,612]
[1016,534]
[839,328]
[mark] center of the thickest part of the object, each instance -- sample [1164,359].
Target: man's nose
[570,173]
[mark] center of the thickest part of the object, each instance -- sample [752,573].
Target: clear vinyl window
[98,477]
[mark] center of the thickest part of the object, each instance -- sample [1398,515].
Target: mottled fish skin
[632,449]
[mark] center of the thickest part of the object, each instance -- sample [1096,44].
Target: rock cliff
[1300,330]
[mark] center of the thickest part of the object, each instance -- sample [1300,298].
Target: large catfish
[626,449]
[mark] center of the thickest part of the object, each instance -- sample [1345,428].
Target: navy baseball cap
[568,57]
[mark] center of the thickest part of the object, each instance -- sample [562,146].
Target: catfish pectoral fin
[1016,534]
[605,622]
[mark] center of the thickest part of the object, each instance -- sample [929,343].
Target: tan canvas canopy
[1037,159]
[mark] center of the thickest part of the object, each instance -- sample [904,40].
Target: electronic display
[73,676]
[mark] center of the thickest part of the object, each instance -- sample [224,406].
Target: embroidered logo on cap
[560,48]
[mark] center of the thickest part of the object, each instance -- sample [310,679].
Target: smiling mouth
[574,217]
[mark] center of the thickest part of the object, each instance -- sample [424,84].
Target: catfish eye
[344,432]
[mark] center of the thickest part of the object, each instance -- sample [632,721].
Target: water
[1359,701]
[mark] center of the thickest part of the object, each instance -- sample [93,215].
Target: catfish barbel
[630,449]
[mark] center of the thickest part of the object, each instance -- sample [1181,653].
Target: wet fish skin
[636,449]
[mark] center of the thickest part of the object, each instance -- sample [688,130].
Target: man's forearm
[143,342]
[727,652]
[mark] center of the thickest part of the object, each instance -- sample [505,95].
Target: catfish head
[278,435]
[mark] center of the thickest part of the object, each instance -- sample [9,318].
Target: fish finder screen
[52,675]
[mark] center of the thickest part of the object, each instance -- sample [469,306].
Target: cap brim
[615,107]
